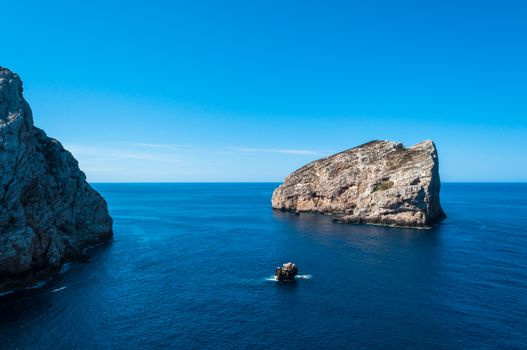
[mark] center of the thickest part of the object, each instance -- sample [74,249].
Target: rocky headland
[380,182]
[48,213]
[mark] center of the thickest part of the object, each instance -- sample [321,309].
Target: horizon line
[275,182]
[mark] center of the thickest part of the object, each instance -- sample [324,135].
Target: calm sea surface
[189,267]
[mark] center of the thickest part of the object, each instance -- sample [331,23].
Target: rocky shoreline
[49,214]
[36,277]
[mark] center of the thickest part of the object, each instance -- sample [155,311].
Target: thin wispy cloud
[154,145]
[278,150]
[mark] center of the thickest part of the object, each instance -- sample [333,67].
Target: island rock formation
[380,182]
[48,212]
[286,272]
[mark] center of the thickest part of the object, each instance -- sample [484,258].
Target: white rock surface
[48,211]
[380,182]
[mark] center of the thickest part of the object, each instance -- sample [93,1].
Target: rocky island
[48,213]
[380,182]
[287,272]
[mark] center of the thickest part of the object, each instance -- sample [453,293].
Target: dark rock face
[380,182]
[287,272]
[48,212]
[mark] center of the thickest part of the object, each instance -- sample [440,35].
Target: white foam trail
[303,277]
[298,277]
[58,289]
[36,285]
[6,293]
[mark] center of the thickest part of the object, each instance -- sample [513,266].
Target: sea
[191,266]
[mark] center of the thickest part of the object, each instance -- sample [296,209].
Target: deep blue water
[189,268]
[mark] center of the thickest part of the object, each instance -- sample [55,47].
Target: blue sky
[251,90]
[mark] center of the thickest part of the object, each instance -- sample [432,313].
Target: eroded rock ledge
[380,182]
[48,212]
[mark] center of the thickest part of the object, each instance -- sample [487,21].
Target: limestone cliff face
[380,182]
[48,211]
